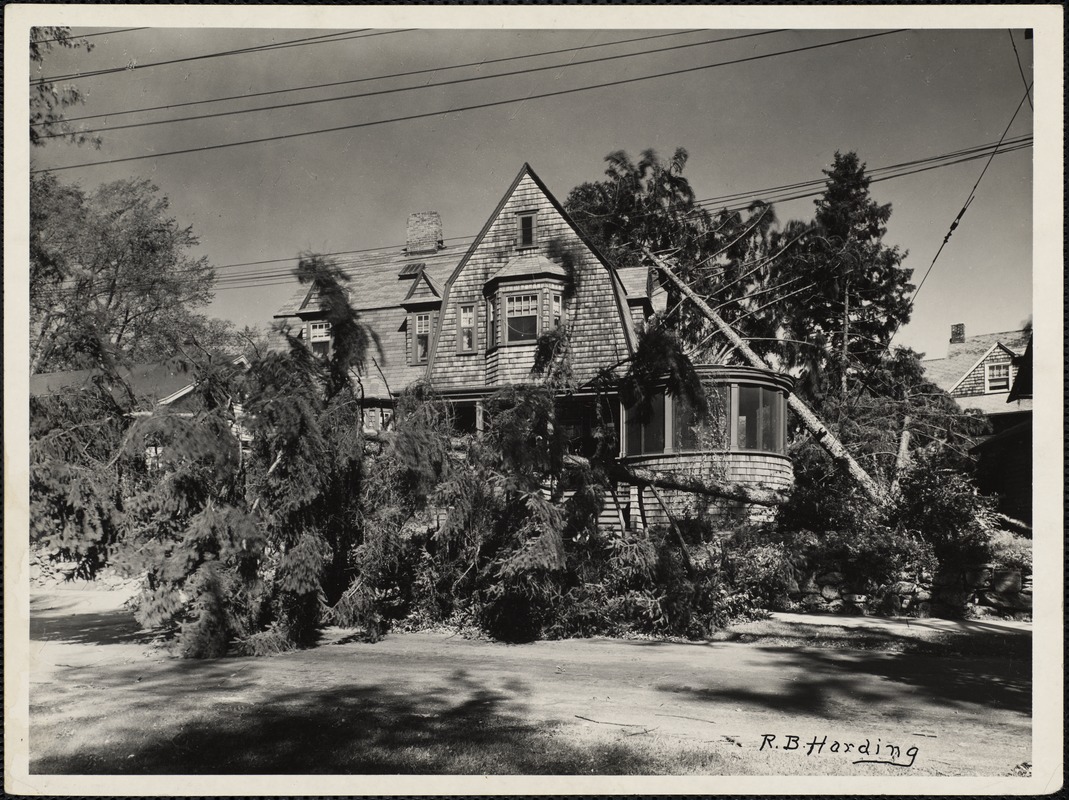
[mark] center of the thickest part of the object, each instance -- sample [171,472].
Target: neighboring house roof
[161,383]
[961,372]
[963,357]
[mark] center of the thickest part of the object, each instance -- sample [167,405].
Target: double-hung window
[527,235]
[319,337]
[557,307]
[466,328]
[521,317]
[997,377]
[422,337]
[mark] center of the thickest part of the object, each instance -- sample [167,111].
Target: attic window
[410,270]
[527,234]
[997,377]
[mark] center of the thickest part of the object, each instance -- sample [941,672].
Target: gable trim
[980,361]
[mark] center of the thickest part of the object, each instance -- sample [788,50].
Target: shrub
[1010,550]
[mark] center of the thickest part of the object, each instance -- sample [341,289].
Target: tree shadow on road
[826,677]
[191,717]
[103,627]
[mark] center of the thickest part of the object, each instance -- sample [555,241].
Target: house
[167,385]
[468,319]
[992,373]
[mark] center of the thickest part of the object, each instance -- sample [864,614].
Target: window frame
[320,331]
[556,310]
[536,296]
[472,326]
[988,389]
[491,322]
[416,317]
[521,216]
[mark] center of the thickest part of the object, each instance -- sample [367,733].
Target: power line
[326,38]
[1020,69]
[378,77]
[396,90]
[964,208]
[489,104]
[90,35]
[264,278]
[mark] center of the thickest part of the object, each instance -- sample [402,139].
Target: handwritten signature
[877,752]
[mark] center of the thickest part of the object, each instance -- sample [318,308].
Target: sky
[747,126]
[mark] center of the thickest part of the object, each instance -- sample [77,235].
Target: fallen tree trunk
[812,423]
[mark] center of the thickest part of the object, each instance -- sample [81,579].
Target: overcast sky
[747,126]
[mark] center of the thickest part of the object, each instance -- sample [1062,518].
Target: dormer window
[319,338]
[997,377]
[527,235]
[521,317]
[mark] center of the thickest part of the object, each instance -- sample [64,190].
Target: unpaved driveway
[104,701]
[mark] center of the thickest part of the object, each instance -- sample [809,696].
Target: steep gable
[507,275]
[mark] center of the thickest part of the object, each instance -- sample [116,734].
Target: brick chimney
[957,333]
[424,232]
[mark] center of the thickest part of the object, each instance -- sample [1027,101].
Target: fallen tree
[806,416]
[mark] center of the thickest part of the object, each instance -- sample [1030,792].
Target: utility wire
[259,278]
[90,35]
[964,208]
[1020,69]
[326,38]
[489,104]
[376,77]
[398,89]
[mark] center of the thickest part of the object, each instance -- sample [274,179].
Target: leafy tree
[47,100]
[111,277]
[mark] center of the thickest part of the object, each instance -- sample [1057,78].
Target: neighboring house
[166,385]
[467,319]
[992,373]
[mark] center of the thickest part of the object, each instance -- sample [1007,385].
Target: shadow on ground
[101,627]
[459,727]
[828,677]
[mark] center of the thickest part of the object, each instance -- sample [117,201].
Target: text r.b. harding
[875,752]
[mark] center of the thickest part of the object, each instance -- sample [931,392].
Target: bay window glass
[557,306]
[759,419]
[491,323]
[521,317]
[646,437]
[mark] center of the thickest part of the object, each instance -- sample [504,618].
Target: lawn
[106,701]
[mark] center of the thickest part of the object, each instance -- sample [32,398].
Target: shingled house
[981,372]
[467,319]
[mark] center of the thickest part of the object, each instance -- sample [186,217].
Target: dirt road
[103,701]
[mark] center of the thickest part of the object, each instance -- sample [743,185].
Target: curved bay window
[743,416]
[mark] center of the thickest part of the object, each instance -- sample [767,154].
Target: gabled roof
[161,383]
[423,279]
[374,279]
[963,357]
[618,290]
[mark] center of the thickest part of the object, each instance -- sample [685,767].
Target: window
[423,337]
[466,328]
[646,437]
[997,377]
[557,306]
[319,337]
[521,317]
[707,434]
[528,233]
[759,418]
[491,323]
